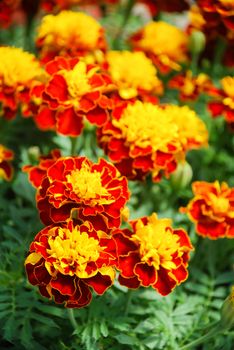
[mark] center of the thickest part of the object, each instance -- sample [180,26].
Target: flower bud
[182,176]
[197,42]
[227,311]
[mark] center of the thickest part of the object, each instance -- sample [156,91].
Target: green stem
[216,329]
[72,318]
[194,63]
[218,57]
[127,14]
[73,145]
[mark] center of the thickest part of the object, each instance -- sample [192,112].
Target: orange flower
[6,156]
[19,70]
[155,39]
[152,254]
[224,101]
[143,138]
[65,261]
[38,172]
[156,6]
[212,209]
[76,187]
[191,87]
[74,90]
[69,34]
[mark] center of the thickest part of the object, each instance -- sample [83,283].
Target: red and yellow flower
[38,172]
[153,254]
[156,6]
[19,70]
[155,39]
[224,101]
[133,73]
[191,87]
[143,138]
[69,34]
[212,209]
[6,169]
[74,90]
[76,187]
[67,261]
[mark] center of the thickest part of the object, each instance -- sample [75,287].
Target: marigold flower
[157,6]
[69,34]
[7,9]
[38,172]
[18,71]
[143,138]
[133,73]
[74,90]
[223,103]
[74,186]
[6,156]
[152,254]
[191,87]
[155,39]
[65,261]
[212,209]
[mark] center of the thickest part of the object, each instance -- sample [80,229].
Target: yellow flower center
[220,205]
[72,251]
[190,126]
[78,80]
[157,242]
[70,28]
[145,124]
[164,39]
[88,185]
[17,67]
[228,86]
[131,71]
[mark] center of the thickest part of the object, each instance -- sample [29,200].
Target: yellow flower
[133,71]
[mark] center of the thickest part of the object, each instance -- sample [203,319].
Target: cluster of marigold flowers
[82,247]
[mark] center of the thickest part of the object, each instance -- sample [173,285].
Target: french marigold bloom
[153,254]
[143,138]
[76,187]
[69,260]
[223,103]
[221,9]
[69,34]
[18,71]
[133,73]
[6,169]
[74,90]
[212,209]
[157,6]
[38,172]
[190,87]
[165,44]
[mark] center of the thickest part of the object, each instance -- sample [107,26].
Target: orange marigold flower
[18,71]
[155,39]
[212,209]
[222,9]
[158,255]
[74,186]
[224,101]
[157,6]
[133,73]
[191,87]
[74,90]
[69,34]
[6,156]
[38,172]
[66,261]
[143,138]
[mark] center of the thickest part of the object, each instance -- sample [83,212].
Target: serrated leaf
[125,339]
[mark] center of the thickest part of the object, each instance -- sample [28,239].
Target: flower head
[76,187]
[18,71]
[212,209]
[65,261]
[133,73]
[164,43]
[74,89]
[158,255]
[143,138]
[69,34]
[6,156]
